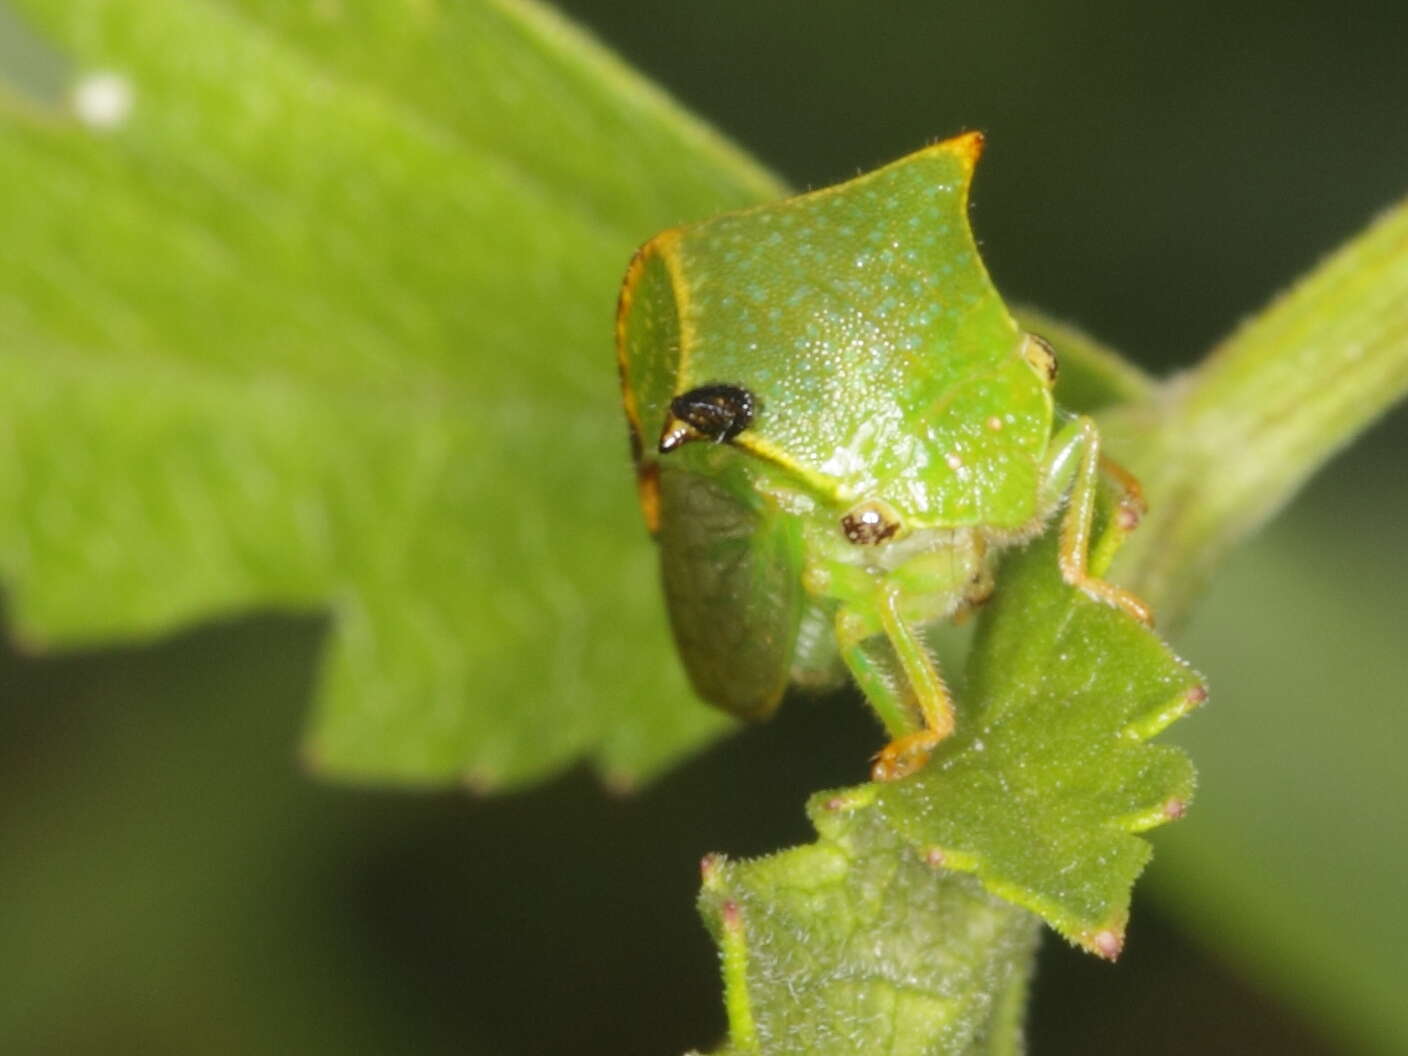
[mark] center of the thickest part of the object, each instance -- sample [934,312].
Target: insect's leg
[904,755]
[900,680]
[1129,511]
[874,667]
[1076,464]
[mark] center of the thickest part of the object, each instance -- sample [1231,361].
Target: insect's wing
[731,565]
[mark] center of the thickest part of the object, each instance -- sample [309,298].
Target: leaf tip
[1153,723]
[1107,943]
[1174,809]
[480,781]
[844,801]
[711,870]
[26,645]
[311,758]
[1127,517]
[619,783]
[934,857]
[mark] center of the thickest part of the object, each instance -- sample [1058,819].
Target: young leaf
[1038,796]
[1049,776]
[314,311]
[853,945]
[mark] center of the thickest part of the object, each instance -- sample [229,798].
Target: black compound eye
[711,412]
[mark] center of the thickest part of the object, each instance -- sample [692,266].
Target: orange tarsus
[904,755]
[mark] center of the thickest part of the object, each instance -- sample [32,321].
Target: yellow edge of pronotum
[623,310]
[647,474]
[818,482]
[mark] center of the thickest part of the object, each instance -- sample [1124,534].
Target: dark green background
[172,883]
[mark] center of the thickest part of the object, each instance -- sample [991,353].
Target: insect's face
[851,341]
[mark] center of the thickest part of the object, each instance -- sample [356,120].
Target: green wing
[731,565]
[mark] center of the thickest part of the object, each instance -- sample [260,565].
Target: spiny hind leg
[901,682]
[1076,464]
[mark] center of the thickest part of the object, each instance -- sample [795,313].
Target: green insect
[836,425]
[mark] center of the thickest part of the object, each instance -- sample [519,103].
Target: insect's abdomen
[731,567]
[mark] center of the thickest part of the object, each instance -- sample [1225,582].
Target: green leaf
[1038,796]
[852,945]
[324,323]
[1049,774]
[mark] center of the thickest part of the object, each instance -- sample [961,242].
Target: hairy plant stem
[1222,448]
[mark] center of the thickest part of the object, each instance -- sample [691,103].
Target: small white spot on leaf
[102,99]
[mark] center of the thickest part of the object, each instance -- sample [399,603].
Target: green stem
[1233,440]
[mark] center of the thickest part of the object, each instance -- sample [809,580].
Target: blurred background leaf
[325,322]
[1154,174]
